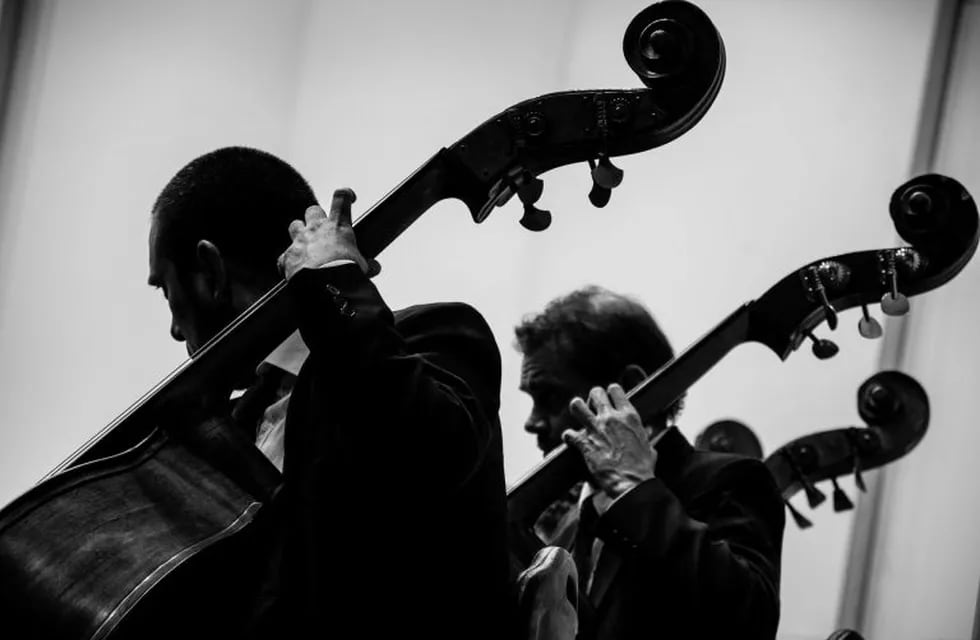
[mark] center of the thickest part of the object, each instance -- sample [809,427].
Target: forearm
[367,374]
[724,569]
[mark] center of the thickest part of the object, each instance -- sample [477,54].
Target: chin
[547,447]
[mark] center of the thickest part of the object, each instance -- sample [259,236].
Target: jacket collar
[673,452]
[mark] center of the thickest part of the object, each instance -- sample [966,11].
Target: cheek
[178,311]
[561,420]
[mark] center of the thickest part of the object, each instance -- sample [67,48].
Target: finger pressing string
[340,206]
[296,228]
[618,396]
[599,399]
[314,213]
[581,412]
[576,439]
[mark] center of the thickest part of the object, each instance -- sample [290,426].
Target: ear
[631,376]
[214,271]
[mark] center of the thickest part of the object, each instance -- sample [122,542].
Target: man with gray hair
[669,541]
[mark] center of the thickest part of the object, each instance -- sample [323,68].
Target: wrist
[620,487]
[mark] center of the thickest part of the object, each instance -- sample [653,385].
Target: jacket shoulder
[456,337]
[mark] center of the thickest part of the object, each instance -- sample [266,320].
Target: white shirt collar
[290,354]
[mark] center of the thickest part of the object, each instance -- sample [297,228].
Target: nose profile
[175,332]
[535,424]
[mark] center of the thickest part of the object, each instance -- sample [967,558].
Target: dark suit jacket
[394,498]
[693,553]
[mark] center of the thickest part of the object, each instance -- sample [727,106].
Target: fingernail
[346,192]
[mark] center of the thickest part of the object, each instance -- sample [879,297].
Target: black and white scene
[501,320]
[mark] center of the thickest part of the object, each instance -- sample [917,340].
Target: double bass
[154,528]
[933,213]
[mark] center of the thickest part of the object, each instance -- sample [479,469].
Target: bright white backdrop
[811,133]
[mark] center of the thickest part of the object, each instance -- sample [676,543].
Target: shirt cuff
[336,263]
[603,502]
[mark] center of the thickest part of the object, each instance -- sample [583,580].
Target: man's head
[590,337]
[217,230]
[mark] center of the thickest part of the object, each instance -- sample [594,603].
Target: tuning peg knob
[894,304]
[841,501]
[821,348]
[868,327]
[606,174]
[801,521]
[535,219]
[605,178]
[599,196]
[814,496]
[529,192]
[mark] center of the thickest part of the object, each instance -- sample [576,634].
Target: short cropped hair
[598,333]
[240,199]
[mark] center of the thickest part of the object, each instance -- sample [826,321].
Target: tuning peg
[858,478]
[814,496]
[868,327]
[801,521]
[854,438]
[529,192]
[535,219]
[599,196]
[821,291]
[841,501]
[606,174]
[821,348]
[831,314]
[605,177]
[893,303]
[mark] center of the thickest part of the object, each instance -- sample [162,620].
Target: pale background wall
[926,566]
[796,160]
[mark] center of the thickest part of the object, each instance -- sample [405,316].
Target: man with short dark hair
[383,424]
[669,542]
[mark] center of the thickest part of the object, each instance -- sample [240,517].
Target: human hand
[324,238]
[613,441]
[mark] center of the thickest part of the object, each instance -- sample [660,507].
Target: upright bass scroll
[893,405]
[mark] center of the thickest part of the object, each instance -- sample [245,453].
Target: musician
[383,424]
[669,541]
